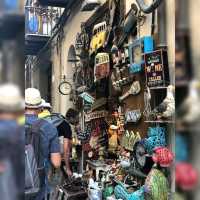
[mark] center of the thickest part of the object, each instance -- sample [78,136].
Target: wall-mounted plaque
[96,115]
[156,68]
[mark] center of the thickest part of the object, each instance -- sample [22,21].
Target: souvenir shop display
[123,155]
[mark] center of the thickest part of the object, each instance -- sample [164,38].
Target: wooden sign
[96,115]
[156,68]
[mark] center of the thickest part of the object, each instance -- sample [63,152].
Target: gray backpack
[34,159]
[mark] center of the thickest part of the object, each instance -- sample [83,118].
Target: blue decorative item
[156,138]
[87,97]
[181,148]
[33,24]
[136,51]
[121,193]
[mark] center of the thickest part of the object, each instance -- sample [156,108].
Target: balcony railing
[40,21]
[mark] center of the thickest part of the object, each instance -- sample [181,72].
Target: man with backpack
[64,132]
[41,147]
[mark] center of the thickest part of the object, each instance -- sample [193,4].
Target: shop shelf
[160,121]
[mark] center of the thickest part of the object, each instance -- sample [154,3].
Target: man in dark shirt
[64,133]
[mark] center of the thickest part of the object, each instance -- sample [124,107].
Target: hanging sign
[156,68]
[95,115]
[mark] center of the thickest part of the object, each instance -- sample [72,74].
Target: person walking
[11,143]
[43,137]
[64,133]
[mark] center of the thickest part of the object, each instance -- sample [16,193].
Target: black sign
[156,68]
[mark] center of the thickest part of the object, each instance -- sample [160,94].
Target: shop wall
[60,65]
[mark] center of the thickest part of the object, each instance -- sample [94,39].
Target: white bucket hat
[11,99]
[46,104]
[33,98]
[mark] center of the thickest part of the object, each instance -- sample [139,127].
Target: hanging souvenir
[134,90]
[163,156]
[156,186]
[113,138]
[95,115]
[156,138]
[136,51]
[98,37]
[87,97]
[182,151]
[141,158]
[186,176]
[102,66]
[133,116]
[122,193]
[166,109]
[156,68]
[99,103]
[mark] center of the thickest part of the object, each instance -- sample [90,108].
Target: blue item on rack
[156,138]
[136,51]
[121,193]
[181,148]
[33,24]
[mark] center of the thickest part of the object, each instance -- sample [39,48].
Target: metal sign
[95,115]
[156,68]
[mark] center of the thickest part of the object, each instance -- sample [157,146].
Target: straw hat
[33,98]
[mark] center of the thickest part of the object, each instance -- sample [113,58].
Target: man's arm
[55,154]
[67,153]
[56,159]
